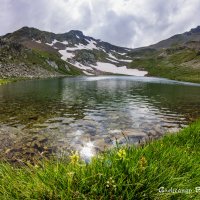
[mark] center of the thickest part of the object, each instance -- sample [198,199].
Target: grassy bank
[128,173]
[11,80]
[159,68]
[181,65]
[4,81]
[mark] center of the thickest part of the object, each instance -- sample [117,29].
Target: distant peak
[76,32]
[27,28]
[196,30]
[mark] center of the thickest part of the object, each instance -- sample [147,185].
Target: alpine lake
[39,118]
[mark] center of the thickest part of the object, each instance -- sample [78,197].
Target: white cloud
[128,23]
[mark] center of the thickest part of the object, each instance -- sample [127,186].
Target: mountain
[69,53]
[29,52]
[177,57]
[20,58]
[186,39]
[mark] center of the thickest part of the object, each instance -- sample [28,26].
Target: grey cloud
[121,22]
[119,30]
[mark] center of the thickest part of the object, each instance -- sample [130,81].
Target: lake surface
[89,114]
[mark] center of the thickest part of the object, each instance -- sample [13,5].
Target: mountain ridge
[192,35]
[177,57]
[74,48]
[73,53]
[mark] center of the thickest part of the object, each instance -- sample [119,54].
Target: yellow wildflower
[75,157]
[143,162]
[36,166]
[161,144]
[121,153]
[71,174]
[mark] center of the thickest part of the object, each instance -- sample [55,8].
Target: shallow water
[75,112]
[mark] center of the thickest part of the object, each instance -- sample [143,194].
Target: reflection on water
[87,151]
[90,113]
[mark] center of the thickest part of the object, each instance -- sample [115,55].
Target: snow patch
[65,42]
[120,60]
[53,42]
[107,67]
[121,53]
[87,73]
[112,60]
[103,50]
[80,46]
[111,56]
[81,66]
[92,45]
[89,41]
[38,41]
[124,60]
[65,54]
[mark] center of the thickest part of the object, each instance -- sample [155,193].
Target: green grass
[131,173]
[6,81]
[170,66]
[183,56]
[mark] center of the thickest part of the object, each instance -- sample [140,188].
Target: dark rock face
[86,57]
[195,30]
[75,32]
[27,33]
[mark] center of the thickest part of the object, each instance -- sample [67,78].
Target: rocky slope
[17,60]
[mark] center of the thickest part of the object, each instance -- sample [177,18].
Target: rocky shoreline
[23,71]
[20,145]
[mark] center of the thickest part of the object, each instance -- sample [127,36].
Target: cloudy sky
[130,23]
